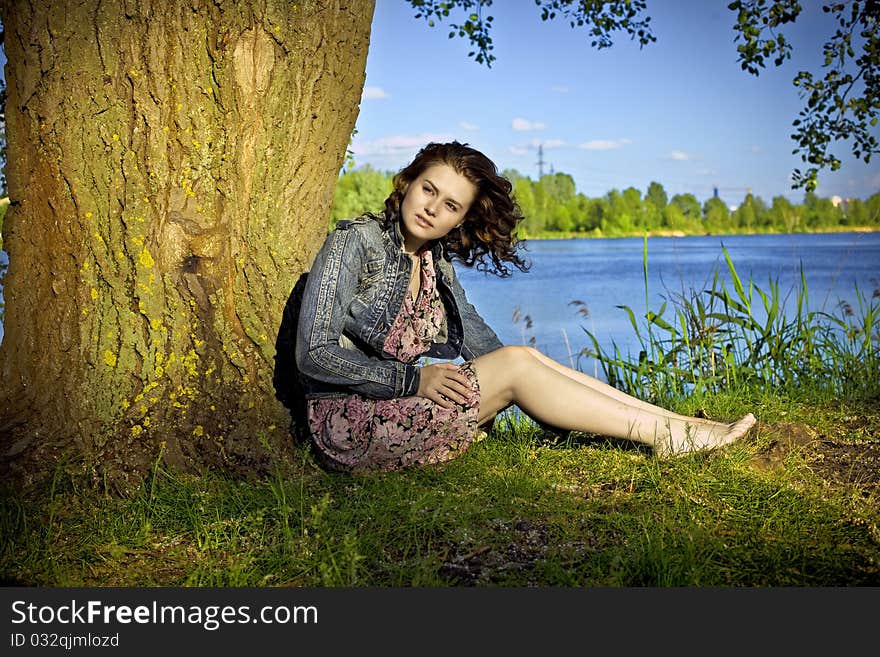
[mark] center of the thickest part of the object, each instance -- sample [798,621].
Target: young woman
[382,294]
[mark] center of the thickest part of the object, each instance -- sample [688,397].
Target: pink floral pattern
[358,434]
[419,321]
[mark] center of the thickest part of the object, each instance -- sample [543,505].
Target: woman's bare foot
[705,437]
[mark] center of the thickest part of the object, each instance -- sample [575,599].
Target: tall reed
[714,339]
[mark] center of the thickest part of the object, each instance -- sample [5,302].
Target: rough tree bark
[171,169]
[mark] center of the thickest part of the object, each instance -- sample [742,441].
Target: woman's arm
[331,286]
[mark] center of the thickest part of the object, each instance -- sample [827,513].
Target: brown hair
[486,237]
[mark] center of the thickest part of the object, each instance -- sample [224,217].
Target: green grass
[525,507]
[518,509]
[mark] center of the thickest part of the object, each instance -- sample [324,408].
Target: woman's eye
[450,207]
[427,189]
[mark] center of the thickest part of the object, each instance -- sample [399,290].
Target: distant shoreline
[681,233]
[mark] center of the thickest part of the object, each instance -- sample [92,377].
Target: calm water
[605,273]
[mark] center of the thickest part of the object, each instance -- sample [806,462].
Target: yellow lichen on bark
[173,174]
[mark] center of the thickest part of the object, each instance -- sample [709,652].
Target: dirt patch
[484,564]
[854,465]
[785,438]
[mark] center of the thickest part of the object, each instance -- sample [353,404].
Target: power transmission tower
[540,161]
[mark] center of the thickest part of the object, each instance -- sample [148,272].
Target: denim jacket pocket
[371,273]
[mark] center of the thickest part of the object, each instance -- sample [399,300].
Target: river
[605,273]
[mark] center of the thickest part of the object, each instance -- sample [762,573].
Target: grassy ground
[795,504]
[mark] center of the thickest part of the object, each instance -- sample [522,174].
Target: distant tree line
[552,206]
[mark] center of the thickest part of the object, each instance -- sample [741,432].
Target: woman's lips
[424,223]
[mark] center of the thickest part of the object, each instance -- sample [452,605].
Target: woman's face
[435,203]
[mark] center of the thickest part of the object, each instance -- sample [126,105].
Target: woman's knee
[523,357]
[505,365]
[515,355]
[500,373]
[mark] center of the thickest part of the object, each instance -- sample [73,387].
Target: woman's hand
[444,384]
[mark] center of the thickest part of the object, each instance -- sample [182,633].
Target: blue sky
[680,111]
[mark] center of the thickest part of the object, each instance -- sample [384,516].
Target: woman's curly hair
[486,238]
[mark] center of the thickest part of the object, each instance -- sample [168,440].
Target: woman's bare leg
[601,386]
[521,376]
[741,427]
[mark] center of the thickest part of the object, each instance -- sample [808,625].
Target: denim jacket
[355,290]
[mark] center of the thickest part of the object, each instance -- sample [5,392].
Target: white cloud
[757,149]
[525,124]
[396,144]
[559,89]
[679,156]
[467,125]
[372,93]
[604,144]
[524,148]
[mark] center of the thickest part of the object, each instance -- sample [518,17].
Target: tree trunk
[171,169]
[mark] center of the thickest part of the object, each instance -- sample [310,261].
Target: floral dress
[359,434]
